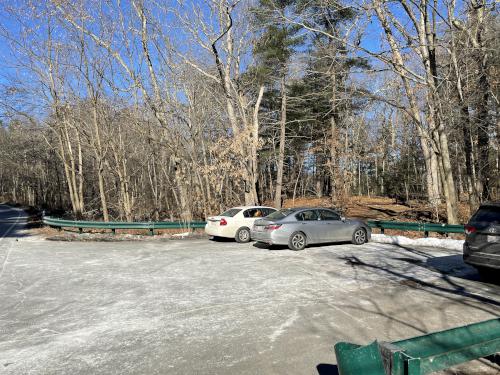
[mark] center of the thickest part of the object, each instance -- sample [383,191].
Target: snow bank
[185,234]
[430,242]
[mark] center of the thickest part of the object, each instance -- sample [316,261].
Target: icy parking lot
[197,306]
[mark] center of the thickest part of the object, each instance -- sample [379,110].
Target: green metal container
[423,354]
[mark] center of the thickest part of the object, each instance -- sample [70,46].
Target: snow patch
[444,243]
[185,234]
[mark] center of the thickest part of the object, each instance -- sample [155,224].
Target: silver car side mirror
[342,218]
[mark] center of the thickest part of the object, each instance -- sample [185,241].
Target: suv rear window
[487,214]
[231,212]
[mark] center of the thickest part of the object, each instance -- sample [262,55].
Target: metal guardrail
[152,226]
[419,227]
[422,354]
[114,225]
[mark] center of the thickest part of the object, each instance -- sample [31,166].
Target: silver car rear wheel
[359,236]
[297,241]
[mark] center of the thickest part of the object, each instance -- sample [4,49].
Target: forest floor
[383,208]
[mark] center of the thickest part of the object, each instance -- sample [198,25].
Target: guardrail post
[113,230]
[80,230]
[382,230]
[426,233]
[151,232]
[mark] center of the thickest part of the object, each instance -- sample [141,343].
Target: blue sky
[372,39]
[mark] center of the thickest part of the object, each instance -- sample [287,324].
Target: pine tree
[274,49]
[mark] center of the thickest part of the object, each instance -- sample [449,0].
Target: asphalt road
[197,306]
[12,221]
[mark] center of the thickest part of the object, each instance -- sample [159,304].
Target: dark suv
[482,240]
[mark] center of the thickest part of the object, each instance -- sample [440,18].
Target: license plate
[493,238]
[259,228]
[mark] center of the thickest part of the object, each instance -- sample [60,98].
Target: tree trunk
[483,131]
[251,197]
[281,154]
[471,186]
[100,163]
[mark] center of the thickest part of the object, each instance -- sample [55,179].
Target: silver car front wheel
[297,241]
[359,236]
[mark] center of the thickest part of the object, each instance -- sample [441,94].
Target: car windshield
[280,214]
[487,214]
[231,212]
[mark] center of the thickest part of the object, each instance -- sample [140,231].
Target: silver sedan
[299,227]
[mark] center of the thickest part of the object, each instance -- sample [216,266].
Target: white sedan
[236,222]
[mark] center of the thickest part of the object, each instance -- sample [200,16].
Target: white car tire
[242,235]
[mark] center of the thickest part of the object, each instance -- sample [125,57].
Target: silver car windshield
[277,215]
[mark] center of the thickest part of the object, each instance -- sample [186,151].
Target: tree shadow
[414,251]
[451,287]
[448,266]
[452,265]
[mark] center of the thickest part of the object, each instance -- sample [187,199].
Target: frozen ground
[197,306]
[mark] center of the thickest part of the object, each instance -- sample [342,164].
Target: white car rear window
[230,213]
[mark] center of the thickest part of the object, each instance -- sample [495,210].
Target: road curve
[12,221]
